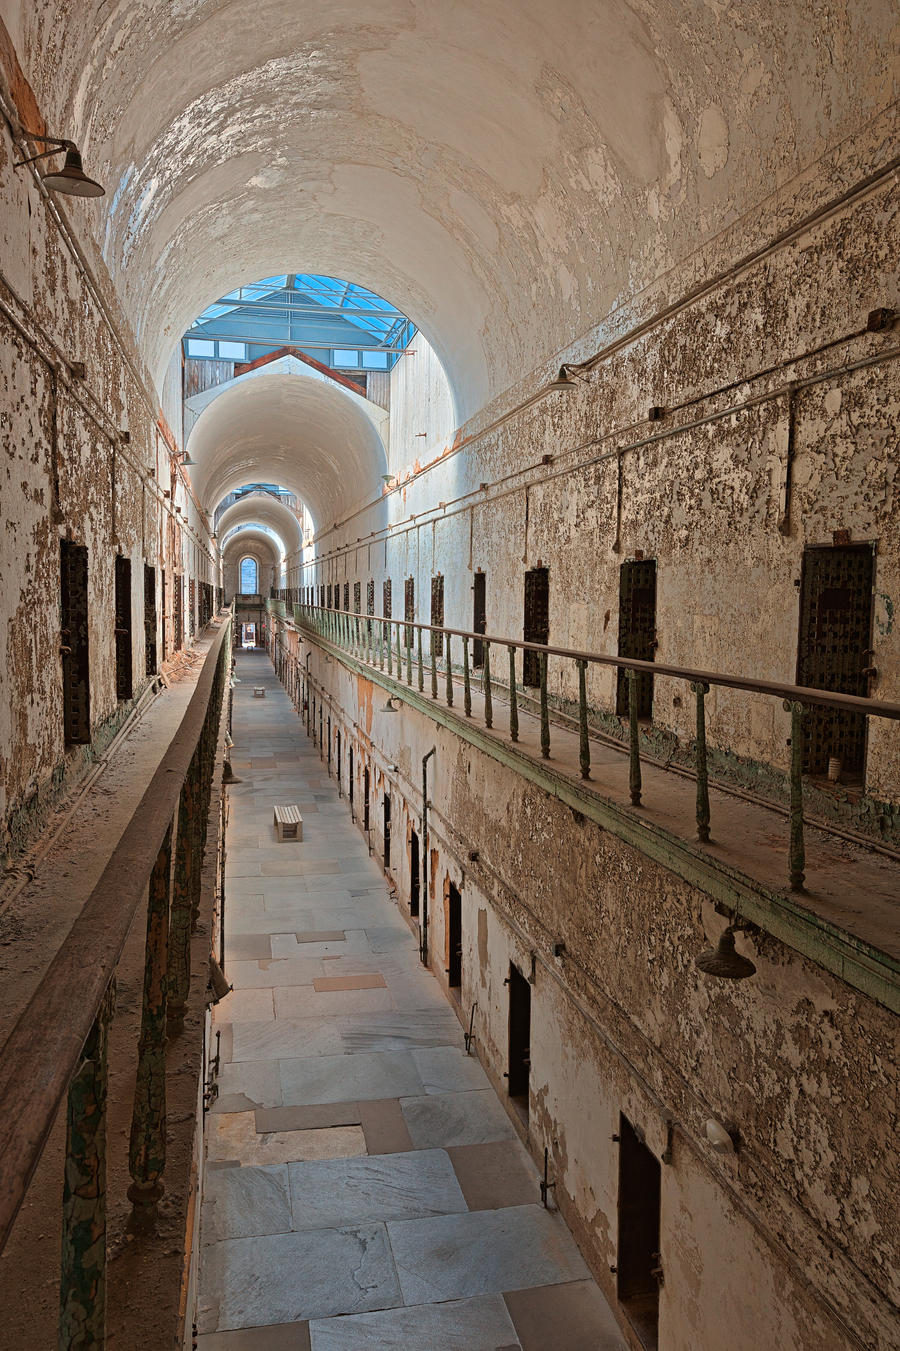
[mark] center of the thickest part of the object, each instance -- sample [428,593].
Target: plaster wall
[792,1241]
[423,417]
[582,480]
[83,457]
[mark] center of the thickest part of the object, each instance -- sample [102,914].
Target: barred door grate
[150,620]
[74,644]
[123,628]
[437,614]
[479,616]
[637,631]
[537,621]
[835,637]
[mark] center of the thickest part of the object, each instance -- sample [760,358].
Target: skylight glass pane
[233,351]
[346,358]
[199,347]
[375,361]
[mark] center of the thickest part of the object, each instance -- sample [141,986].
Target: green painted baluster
[545,711]
[486,685]
[448,671]
[634,753]
[82,1289]
[701,689]
[797,848]
[147,1151]
[467,687]
[584,745]
[513,701]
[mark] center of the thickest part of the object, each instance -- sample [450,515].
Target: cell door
[366,799]
[163,598]
[409,610]
[454,937]
[350,781]
[177,599]
[329,745]
[437,614]
[74,644]
[124,682]
[637,631]
[386,610]
[479,616]
[149,619]
[537,621]
[638,1270]
[387,832]
[519,1070]
[339,780]
[414,876]
[834,650]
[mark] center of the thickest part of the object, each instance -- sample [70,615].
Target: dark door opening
[638,1271]
[74,643]
[637,631]
[150,620]
[387,832]
[437,614]
[163,599]
[454,938]
[321,725]
[479,616]
[350,782]
[366,799]
[124,681]
[834,653]
[386,610]
[409,610]
[519,1070]
[339,780]
[177,599]
[328,725]
[537,621]
[414,881]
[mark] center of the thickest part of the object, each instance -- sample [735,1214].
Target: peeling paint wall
[84,457]
[582,481]
[792,1241]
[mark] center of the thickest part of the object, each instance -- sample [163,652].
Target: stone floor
[364,1187]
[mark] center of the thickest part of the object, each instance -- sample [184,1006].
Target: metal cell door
[150,619]
[637,630]
[74,643]
[834,650]
[479,615]
[437,614]
[537,620]
[123,628]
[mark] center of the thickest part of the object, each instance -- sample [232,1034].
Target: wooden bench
[288,823]
[259,691]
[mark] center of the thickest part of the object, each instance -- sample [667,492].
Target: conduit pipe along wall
[423,946]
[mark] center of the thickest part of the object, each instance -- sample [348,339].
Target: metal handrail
[43,1049]
[371,639]
[805,694]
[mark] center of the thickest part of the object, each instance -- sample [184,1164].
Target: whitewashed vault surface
[504,171]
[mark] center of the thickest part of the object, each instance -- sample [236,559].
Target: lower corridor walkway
[364,1188]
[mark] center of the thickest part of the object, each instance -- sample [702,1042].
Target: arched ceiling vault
[254,543]
[305,434]
[262,509]
[502,170]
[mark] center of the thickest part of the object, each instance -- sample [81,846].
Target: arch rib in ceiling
[262,509]
[304,433]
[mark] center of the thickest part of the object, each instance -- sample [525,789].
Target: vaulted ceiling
[505,171]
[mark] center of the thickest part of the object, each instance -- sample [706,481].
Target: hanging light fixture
[388,707]
[71,178]
[724,961]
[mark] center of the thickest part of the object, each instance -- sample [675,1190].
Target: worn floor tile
[280,1278]
[378,1074]
[241,1202]
[479,1324]
[309,1118]
[445,1069]
[495,1175]
[384,1126]
[444,1119]
[286,1039]
[379,1187]
[233,1135]
[284,1337]
[482,1251]
[310,1001]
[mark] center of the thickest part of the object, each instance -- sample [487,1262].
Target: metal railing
[398,647]
[58,1047]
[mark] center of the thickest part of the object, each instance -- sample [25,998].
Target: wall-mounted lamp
[388,707]
[187,459]
[724,1139]
[71,178]
[724,961]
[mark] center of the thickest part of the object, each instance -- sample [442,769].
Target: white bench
[288,823]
